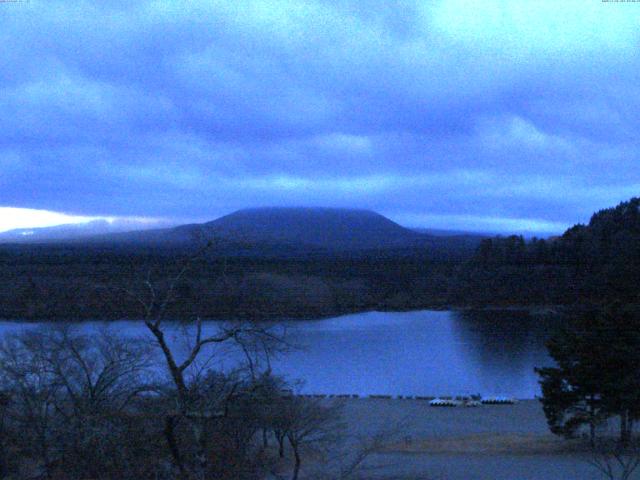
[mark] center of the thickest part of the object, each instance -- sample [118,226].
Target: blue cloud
[423,110]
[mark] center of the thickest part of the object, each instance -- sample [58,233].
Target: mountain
[266,263]
[278,231]
[319,227]
[301,231]
[282,231]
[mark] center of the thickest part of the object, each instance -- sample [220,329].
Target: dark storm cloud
[488,116]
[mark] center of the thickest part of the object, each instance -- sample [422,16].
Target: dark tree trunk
[296,467]
[625,432]
[592,425]
[280,439]
[4,467]
[201,449]
[4,470]
[169,435]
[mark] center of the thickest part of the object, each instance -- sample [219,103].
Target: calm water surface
[407,353]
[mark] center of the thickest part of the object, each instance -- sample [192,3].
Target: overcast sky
[480,115]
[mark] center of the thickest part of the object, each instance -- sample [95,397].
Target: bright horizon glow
[483,224]
[12,218]
[25,218]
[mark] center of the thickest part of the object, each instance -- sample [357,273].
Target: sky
[504,116]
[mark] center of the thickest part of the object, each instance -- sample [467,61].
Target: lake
[426,353]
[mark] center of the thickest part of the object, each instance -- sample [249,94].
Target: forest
[588,264]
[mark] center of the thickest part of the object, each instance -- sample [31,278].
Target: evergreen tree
[597,372]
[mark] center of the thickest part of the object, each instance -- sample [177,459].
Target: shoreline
[536,310]
[492,442]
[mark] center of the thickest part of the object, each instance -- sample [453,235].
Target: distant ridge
[276,231]
[71,231]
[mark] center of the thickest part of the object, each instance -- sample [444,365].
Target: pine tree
[597,372]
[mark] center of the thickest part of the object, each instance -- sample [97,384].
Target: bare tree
[351,461]
[316,434]
[615,460]
[4,441]
[67,395]
[32,391]
[347,455]
[256,342]
[308,425]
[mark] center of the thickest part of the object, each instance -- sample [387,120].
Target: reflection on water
[407,353]
[504,347]
[420,353]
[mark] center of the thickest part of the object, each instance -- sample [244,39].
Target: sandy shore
[489,442]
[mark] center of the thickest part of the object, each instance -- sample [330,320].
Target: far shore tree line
[588,264]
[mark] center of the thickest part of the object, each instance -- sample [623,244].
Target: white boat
[444,402]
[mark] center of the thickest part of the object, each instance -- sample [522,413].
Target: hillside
[267,263]
[70,232]
[270,232]
[342,261]
[320,227]
[298,228]
[589,263]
